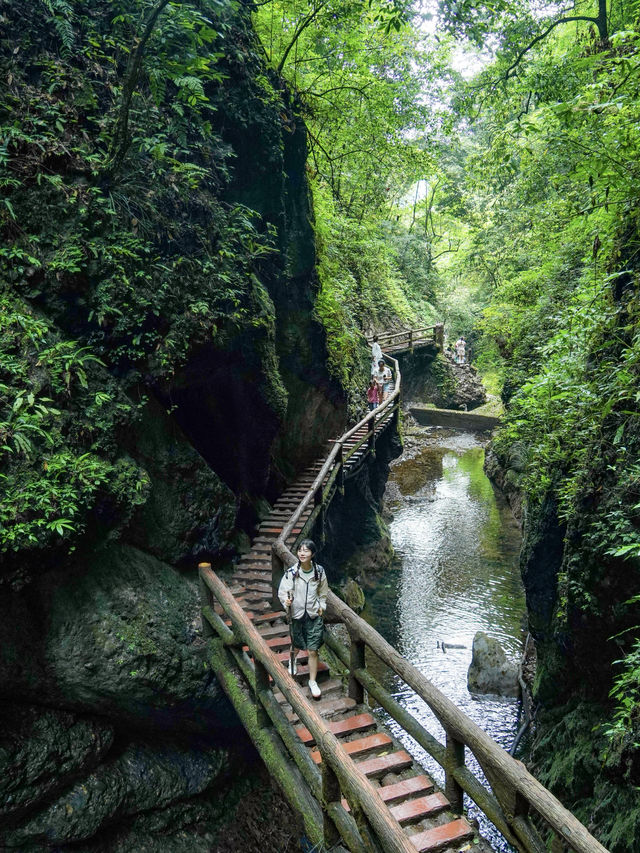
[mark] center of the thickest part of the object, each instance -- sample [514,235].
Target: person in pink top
[372,394]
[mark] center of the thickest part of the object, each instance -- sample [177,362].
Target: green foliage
[361,287]
[111,278]
[56,464]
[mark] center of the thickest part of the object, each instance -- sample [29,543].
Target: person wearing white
[304,589]
[376,354]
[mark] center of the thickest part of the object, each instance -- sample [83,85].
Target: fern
[62,14]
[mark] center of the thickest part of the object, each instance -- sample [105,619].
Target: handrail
[279,548]
[503,771]
[496,762]
[413,336]
[354,785]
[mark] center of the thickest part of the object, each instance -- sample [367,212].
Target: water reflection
[456,572]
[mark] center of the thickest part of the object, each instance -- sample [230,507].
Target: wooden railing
[515,801]
[411,338]
[332,476]
[316,793]
[516,795]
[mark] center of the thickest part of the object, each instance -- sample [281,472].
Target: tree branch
[298,32]
[120,139]
[567,20]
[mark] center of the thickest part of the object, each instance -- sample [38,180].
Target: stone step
[406,788]
[393,762]
[274,630]
[361,746]
[442,836]
[330,687]
[350,725]
[422,807]
[327,708]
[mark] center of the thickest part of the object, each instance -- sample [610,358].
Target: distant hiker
[384,377]
[460,350]
[376,354]
[304,589]
[372,394]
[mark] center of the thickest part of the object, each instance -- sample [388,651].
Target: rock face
[490,670]
[428,376]
[351,592]
[113,731]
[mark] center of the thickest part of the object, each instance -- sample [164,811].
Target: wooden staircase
[423,812]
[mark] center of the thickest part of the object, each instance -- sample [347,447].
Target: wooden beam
[354,784]
[466,731]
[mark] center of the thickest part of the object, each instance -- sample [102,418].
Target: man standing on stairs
[304,589]
[376,354]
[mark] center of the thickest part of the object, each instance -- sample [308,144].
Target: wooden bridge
[355,787]
[409,340]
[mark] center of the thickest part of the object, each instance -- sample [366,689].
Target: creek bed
[455,573]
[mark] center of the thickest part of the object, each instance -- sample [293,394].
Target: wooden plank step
[361,746]
[268,617]
[327,708]
[303,670]
[274,630]
[350,725]
[422,807]
[394,762]
[274,643]
[248,575]
[254,586]
[330,686]
[406,788]
[442,836]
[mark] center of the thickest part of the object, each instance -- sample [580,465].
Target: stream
[455,573]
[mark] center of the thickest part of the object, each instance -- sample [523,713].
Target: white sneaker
[314,689]
[294,670]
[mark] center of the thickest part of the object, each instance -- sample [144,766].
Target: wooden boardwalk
[355,786]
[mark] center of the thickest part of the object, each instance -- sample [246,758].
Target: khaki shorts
[307,633]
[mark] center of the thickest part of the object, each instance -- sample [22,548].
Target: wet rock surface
[142,778]
[490,670]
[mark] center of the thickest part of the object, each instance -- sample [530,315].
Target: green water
[455,573]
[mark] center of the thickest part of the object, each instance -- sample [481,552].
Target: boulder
[491,671]
[353,595]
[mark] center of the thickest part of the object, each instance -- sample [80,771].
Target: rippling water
[456,573]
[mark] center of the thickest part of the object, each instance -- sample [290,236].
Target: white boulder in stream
[491,671]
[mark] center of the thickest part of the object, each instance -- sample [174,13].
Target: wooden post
[331,793]
[411,340]
[318,502]
[438,335]
[356,661]
[340,462]
[455,758]
[262,684]
[372,436]
[206,600]
[277,572]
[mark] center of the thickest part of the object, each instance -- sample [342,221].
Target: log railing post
[331,793]
[277,572]
[262,686]
[356,661]
[340,462]
[411,340]
[319,502]
[438,335]
[454,759]
[371,440]
[206,600]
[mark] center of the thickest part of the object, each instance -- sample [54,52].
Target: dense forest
[206,206]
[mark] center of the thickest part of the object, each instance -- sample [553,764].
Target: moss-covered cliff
[160,369]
